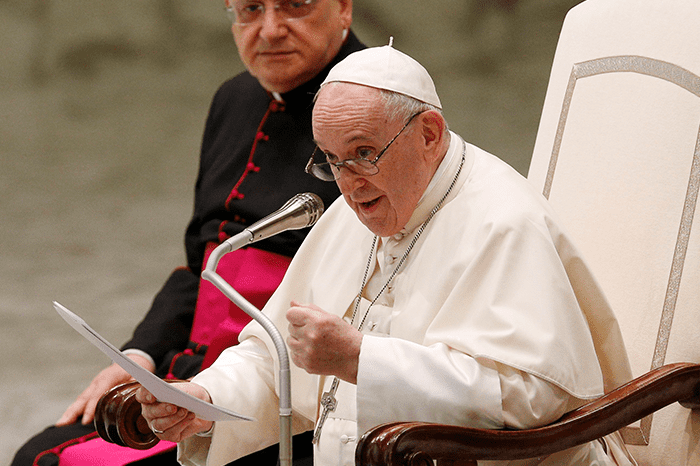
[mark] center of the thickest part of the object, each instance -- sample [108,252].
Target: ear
[345,13]
[433,132]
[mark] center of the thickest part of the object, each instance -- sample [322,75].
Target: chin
[277,81]
[379,229]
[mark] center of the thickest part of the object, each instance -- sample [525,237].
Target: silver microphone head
[311,204]
[301,211]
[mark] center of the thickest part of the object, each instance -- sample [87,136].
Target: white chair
[618,155]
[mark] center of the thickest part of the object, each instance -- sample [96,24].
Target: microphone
[301,211]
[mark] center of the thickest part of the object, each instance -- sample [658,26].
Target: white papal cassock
[493,321]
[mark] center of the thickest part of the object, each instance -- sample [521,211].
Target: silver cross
[329,404]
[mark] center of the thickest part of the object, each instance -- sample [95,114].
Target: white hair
[401,107]
[398,106]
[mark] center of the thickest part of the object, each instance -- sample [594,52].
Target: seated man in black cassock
[256,143]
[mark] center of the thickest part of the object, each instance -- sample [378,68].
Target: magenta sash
[255,274]
[97,452]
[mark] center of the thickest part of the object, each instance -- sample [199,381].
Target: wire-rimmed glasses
[364,166]
[245,12]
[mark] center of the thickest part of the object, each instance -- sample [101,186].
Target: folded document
[163,391]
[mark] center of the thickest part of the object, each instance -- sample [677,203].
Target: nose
[348,181]
[272,27]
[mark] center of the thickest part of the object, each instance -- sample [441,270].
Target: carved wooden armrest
[419,443]
[118,418]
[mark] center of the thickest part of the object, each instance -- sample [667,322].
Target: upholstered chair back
[618,155]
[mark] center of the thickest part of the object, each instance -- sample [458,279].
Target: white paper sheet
[162,390]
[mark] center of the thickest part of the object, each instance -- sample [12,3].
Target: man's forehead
[341,91]
[332,101]
[339,140]
[353,135]
[342,101]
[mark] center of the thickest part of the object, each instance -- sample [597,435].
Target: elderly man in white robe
[440,288]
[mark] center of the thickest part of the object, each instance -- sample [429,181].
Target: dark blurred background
[102,106]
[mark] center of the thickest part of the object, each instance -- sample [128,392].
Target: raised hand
[323,343]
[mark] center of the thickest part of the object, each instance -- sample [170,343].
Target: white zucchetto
[386,68]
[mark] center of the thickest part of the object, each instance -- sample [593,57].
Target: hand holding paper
[163,391]
[170,422]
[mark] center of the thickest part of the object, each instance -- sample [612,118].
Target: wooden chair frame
[419,443]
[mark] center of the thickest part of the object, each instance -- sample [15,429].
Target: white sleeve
[529,401]
[242,380]
[403,381]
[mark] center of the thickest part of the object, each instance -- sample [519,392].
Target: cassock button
[345,439]
[390,259]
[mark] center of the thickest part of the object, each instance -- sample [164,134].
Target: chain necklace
[328,400]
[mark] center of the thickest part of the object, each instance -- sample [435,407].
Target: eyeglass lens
[246,12]
[329,172]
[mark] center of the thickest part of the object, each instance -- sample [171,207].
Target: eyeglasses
[365,165]
[248,12]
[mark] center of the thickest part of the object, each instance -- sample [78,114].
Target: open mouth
[367,205]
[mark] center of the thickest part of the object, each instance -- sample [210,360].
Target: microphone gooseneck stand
[301,211]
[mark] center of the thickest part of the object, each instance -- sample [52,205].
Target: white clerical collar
[440,182]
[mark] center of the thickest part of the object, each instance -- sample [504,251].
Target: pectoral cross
[329,404]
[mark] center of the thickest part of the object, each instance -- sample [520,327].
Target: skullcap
[386,68]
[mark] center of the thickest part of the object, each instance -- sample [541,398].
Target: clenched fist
[322,343]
